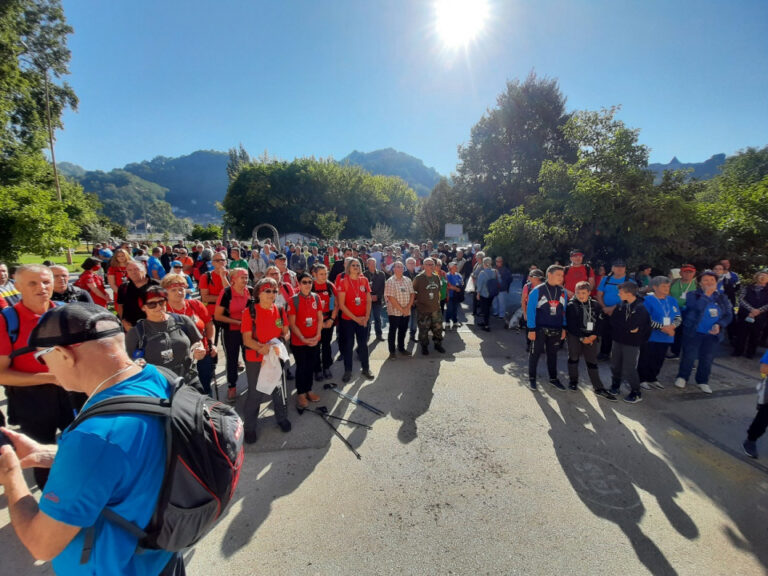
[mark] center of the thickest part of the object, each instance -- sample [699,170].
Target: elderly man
[35,402]
[426,285]
[63,291]
[9,294]
[131,294]
[398,291]
[546,324]
[376,278]
[504,275]
[116,461]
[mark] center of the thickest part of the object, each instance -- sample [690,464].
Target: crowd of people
[276,313]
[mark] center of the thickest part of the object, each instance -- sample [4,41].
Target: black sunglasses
[155,303]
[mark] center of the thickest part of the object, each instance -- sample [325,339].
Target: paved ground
[470,472]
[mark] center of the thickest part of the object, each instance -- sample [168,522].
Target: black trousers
[40,411]
[305,365]
[323,352]
[545,342]
[759,424]
[484,318]
[606,338]
[651,360]
[233,347]
[746,335]
[398,326]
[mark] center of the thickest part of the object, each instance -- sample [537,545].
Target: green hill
[390,162]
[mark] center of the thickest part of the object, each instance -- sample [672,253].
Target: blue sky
[323,78]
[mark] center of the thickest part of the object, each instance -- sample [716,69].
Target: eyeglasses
[219,260]
[155,303]
[268,291]
[40,353]
[306,282]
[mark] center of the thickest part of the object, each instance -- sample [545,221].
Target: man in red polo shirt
[578,272]
[35,400]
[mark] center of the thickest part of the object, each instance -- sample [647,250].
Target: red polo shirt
[356,293]
[269,324]
[306,317]
[27,321]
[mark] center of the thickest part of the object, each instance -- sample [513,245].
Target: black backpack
[205,454]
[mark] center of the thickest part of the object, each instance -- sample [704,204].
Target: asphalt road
[469,472]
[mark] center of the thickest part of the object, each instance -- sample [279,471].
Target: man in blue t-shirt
[155,269]
[608,297]
[665,318]
[114,461]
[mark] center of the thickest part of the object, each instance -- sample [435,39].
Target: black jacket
[628,317]
[376,280]
[577,315]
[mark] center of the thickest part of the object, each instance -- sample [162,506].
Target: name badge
[590,326]
[308,322]
[666,321]
[431,296]
[552,310]
[357,301]
[713,313]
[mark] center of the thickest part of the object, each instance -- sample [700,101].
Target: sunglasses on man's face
[40,353]
[155,303]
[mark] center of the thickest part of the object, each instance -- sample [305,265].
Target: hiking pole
[353,399]
[323,411]
[335,431]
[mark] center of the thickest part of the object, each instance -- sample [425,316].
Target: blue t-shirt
[453,280]
[609,286]
[116,462]
[659,310]
[154,264]
[764,359]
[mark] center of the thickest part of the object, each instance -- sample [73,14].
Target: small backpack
[204,457]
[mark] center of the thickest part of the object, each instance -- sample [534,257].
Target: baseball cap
[177,264]
[281,257]
[576,251]
[688,267]
[73,324]
[619,262]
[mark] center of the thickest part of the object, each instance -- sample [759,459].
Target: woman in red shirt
[268,322]
[354,295]
[176,285]
[91,281]
[229,312]
[305,319]
[117,273]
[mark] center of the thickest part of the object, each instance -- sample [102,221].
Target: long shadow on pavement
[606,464]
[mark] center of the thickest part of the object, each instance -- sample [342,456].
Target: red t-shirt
[356,291]
[27,321]
[237,304]
[120,274]
[269,325]
[88,281]
[326,292]
[306,317]
[575,275]
[199,314]
[215,287]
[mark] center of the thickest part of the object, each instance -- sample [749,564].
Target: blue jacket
[699,319]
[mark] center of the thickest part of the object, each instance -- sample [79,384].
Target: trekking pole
[335,431]
[323,411]
[353,399]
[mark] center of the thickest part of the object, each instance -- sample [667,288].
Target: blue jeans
[376,318]
[701,347]
[353,331]
[413,322]
[452,310]
[499,305]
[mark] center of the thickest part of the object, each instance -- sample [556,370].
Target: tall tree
[499,167]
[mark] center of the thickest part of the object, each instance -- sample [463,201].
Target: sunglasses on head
[155,303]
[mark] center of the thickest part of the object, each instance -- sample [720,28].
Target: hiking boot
[680,382]
[312,397]
[231,394]
[285,425]
[603,393]
[705,388]
[750,448]
[424,350]
[301,401]
[532,384]
[439,348]
[633,398]
[347,377]
[367,374]
[573,386]
[556,383]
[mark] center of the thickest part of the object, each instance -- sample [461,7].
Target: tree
[330,225]
[523,241]
[499,167]
[382,233]
[210,232]
[238,158]
[443,206]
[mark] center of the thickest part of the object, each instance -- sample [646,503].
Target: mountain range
[194,183]
[701,170]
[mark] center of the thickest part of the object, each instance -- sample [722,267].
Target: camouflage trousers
[430,321]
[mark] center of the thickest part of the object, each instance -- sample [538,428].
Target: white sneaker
[680,383]
[657,384]
[645,386]
[705,388]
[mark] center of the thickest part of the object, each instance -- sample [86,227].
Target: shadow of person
[606,464]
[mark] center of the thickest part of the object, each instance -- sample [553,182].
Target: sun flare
[459,22]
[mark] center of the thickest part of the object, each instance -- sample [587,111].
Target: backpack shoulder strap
[295,300]
[11,317]
[140,331]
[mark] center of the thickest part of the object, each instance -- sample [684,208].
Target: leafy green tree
[330,225]
[443,206]
[238,158]
[210,232]
[499,167]
[523,241]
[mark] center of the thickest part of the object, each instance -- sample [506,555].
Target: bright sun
[459,22]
